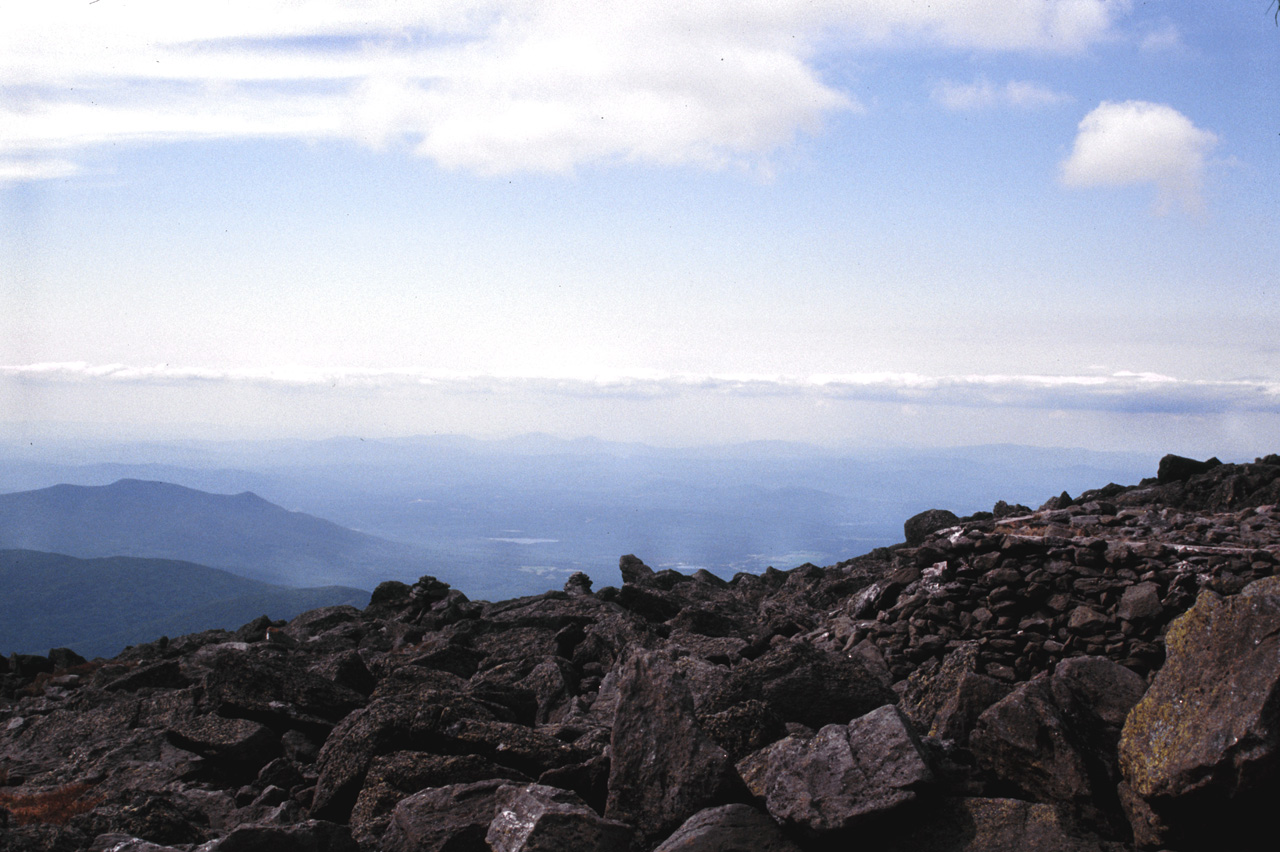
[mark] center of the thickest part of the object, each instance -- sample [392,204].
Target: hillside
[1097,675]
[241,533]
[98,606]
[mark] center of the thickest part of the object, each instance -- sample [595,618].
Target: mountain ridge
[242,533]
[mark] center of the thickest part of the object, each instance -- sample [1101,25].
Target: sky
[866,222]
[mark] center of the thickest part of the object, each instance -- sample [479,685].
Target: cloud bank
[1128,392]
[489,86]
[1137,142]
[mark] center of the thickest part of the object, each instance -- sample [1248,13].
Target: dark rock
[844,775]
[801,683]
[991,825]
[1140,602]
[1055,738]
[310,836]
[918,527]
[453,818]
[634,570]
[578,584]
[394,777]
[536,818]
[236,743]
[276,694]
[729,828]
[166,674]
[1179,468]
[663,768]
[397,723]
[390,593]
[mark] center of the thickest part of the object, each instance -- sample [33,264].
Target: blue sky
[875,222]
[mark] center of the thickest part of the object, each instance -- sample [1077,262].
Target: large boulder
[919,527]
[1055,738]
[728,828]
[1178,468]
[841,777]
[411,722]
[663,768]
[453,818]
[1202,748]
[536,818]
[801,683]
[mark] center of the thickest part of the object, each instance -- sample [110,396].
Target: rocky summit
[1102,673]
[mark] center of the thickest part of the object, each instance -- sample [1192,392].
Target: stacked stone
[1092,579]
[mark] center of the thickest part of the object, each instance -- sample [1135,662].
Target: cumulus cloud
[983,94]
[1138,142]
[1128,392]
[491,86]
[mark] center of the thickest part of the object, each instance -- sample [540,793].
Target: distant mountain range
[98,606]
[241,533]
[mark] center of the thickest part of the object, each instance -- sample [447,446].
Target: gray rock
[729,828]
[454,818]
[535,818]
[992,825]
[918,527]
[230,742]
[310,836]
[844,775]
[663,767]
[1140,602]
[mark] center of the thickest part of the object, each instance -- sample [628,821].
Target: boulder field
[1102,673]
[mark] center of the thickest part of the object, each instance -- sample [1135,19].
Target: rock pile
[1099,674]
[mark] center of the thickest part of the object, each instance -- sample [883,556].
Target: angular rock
[392,778]
[804,684]
[1178,468]
[1202,748]
[398,723]
[280,696]
[237,743]
[918,527]
[1140,602]
[454,818]
[729,828]
[535,818]
[634,570]
[843,776]
[663,768]
[991,825]
[310,836]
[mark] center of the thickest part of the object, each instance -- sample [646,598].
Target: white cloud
[1137,142]
[1165,39]
[486,85]
[22,170]
[1128,392]
[983,94]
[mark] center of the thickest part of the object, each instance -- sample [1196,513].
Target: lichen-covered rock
[1202,748]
